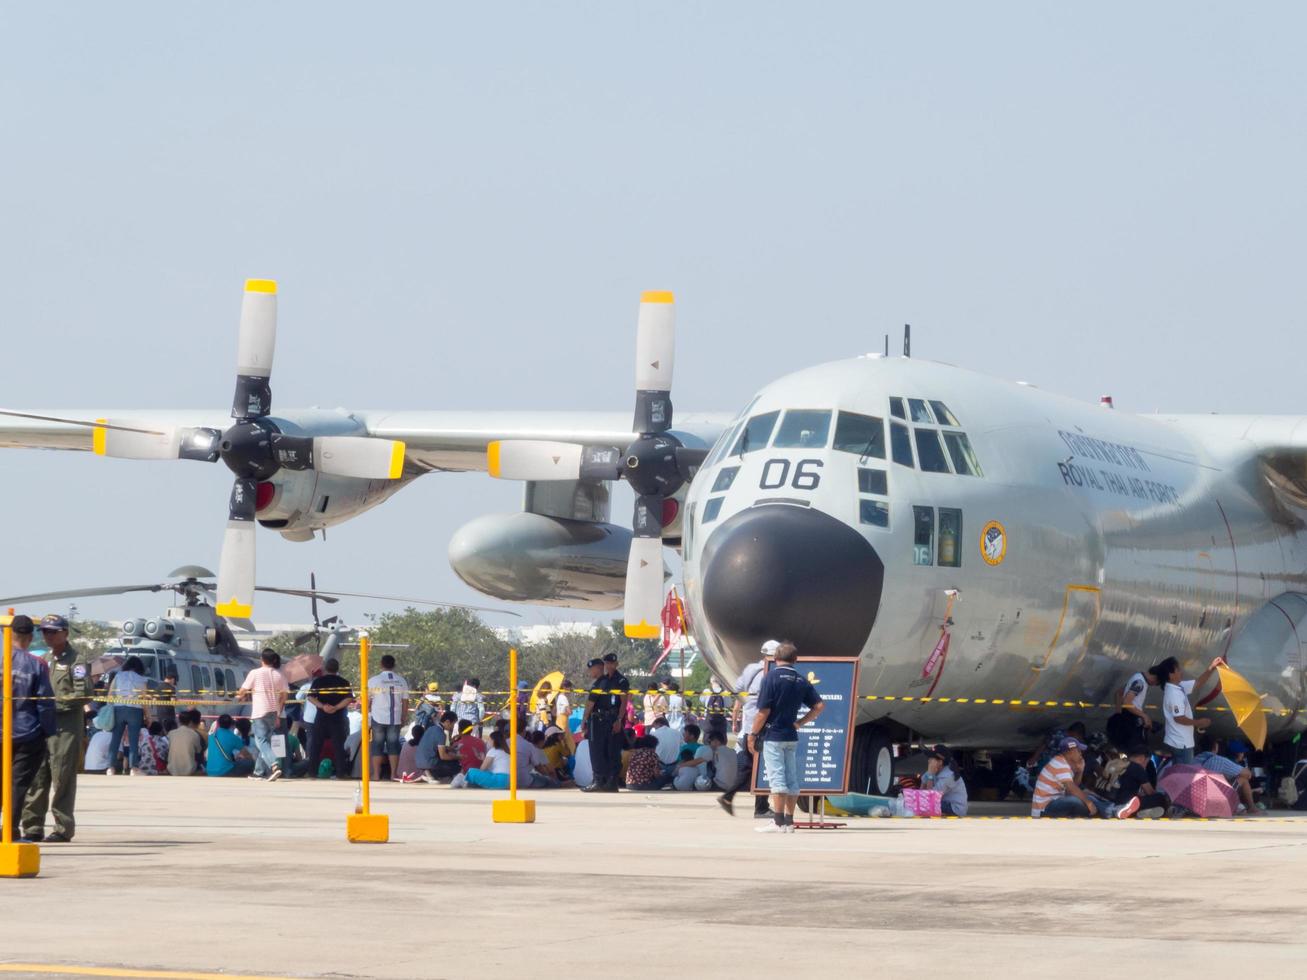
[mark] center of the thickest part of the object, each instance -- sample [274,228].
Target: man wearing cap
[34,721]
[599,722]
[55,786]
[742,715]
[1057,794]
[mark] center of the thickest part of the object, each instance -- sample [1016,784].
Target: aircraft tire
[873,761]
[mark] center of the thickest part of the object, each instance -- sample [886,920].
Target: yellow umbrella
[1245,703]
[555,681]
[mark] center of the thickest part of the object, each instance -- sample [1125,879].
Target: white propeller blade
[643,605]
[235,593]
[655,342]
[529,459]
[121,443]
[257,341]
[359,456]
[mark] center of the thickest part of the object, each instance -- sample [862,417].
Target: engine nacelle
[297,503]
[548,561]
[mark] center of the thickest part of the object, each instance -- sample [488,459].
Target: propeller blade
[533,459]
[255,345]
[655,348]
[359,456]
[235,592]
[313,601]
[601,463]
[302,593]
[292,452]
[688,461]
[118,441]
[643,604]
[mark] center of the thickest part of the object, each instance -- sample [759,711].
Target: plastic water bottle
[358,798]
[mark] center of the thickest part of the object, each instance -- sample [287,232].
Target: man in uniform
[598,723]
[618,686]
[33,715]
[55,786]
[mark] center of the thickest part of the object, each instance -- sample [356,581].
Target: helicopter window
[208,678]
[963,456]
[950,537]
[231,681]
[900,444]
[197,680]
[874,512]
[920,413]
[930,452]
[896,409]
[712,508]
[923,535]
[861,434]
[725,477]
[944,415]
[220,681]
[150,665]
[872,481]
[755,434]
[803,429]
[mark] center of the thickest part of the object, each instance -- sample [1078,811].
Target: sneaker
[1129,810]
[770,828]
[259,778]
[458,782]
[789,828]
[726,805]
[1152,813]
[275,774]
[58,838]
[136,772]
[765,815]
[426,778]
[410,777]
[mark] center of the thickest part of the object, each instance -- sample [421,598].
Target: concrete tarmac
[247,878]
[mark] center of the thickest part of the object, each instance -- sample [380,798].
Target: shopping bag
[922,802]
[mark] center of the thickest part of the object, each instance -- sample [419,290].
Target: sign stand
[366,827]
[826,746]
[16,860]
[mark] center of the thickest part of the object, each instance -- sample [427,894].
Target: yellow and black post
[16,860]
[513,810]
[366,827]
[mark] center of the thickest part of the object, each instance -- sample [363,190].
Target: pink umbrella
[1204,793]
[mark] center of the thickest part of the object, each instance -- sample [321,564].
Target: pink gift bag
[922,802]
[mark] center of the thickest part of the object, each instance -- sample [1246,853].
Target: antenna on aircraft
[907,340]
[887,345]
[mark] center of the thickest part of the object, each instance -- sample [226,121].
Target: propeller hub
[650,466]
[246,448]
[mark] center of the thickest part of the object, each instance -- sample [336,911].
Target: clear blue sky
[462,203]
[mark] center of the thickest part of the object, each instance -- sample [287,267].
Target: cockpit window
[724,442]
[711,509]
[896,409]
[803,429]
[930,452]
[920,413]
[900,444]
[963,456]
[944,415]
[860,434]
[756,433]
[725,477]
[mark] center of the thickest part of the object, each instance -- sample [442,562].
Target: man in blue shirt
[34,719]
[776,728]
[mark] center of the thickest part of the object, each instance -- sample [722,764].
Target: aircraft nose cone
[790,573]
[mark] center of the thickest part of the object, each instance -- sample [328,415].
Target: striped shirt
[1049,785]
[387,692]
[1219,764]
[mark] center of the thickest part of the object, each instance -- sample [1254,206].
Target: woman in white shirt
[129,685]
[941,777]
[493,773]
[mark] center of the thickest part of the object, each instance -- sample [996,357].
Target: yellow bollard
[513,810]
[366,827]
[16,860]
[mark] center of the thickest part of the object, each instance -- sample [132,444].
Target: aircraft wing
[434,440]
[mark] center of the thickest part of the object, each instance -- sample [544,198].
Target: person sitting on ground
[152,750]
[438,758]
[532,765]
[644,772]
[669,744]
[99,752]
[227,754]
[582,768]
[942,777]
[471,750]
[493,773]
[1134,782]
[186,745]
[408,766]
[725,764]
[554,747]
[1236,774]
[693,762]
[1057,794]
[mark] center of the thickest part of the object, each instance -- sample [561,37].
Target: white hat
[770,647]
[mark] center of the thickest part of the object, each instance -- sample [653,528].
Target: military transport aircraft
[984,543]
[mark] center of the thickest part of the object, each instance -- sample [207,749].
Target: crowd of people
[607,740]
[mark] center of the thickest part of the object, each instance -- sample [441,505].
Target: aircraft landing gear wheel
[873,762]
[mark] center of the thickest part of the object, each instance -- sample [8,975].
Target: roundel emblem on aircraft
[993,543]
